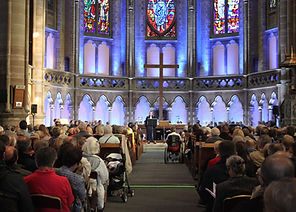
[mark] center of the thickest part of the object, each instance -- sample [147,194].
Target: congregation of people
[259,162]
[59,161]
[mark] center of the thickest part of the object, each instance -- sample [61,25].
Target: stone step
[152,146]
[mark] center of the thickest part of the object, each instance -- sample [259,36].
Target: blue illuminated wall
[180,44]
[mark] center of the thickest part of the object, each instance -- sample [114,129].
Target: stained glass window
[272,4]
[103,22]
[233,16]
[96,16]
[226,16]
[161,19]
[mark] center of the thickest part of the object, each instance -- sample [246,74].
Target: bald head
[276,167]
[10,155]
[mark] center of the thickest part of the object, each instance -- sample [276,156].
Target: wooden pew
[139,143]
[106,149]
[132,151]
[203,152]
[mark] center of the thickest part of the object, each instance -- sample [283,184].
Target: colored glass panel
[272,4]
[161,18]
[103,16]
[233,16]
[219,17]
[89,16]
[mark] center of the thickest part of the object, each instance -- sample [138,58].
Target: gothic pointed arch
[264,108]
[219,110]
[67,110]
[102,110]
[118,112]
[203,111]
[85,111]
[47,109]
[254,111]
[179,111]
[236,110]
[57,106]
[142,109]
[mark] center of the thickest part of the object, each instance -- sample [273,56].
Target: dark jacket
[215,174]
[14,194]
[232,187]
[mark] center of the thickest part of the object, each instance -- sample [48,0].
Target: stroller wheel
[131,193]
[124,197]
[165,154]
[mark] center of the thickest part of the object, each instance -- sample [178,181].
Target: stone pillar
[191,42]
[246,36]
[170,113]
[260,113]
[270,118]
[212,110]
[130,39]
[227,114]
[110,111]
[94,113]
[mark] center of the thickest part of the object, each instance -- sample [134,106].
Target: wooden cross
[161,66]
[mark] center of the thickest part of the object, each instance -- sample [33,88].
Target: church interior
[212,62]
[85,60]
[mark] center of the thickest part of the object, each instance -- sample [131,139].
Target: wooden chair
[234,203]
[43,201]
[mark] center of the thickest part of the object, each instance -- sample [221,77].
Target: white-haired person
[91,149]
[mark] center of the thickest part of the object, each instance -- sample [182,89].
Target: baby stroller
[173,150]
[118,181]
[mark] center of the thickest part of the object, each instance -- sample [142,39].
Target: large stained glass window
[96,17]
[226,17]
[161,19]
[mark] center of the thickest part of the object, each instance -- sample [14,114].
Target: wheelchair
[173,151]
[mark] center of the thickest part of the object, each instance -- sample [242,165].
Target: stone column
[227,113]
[212,110]
[170,113]
[130,39]
[110,111]
[246,36]
[260,113]
[191,42]
[270,118]
[94,113]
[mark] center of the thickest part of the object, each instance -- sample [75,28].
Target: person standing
[150,127]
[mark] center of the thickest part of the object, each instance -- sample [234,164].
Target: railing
[59,78]
[169,84]
[102,83]
[264,79]
[219,83]
[231,82]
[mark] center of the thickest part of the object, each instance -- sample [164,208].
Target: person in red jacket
[45,181]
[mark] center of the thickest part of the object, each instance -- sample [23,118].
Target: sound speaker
[33,108]
[275,110]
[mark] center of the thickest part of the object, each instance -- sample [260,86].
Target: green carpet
[158,187]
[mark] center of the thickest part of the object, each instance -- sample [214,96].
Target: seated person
[216,174]
[45,181]
[14,192]
[174,140]
[70,159]
[108,136]
[11,156]
[215,136]
[237,184]
[281,196]
[91,149]
[26,154]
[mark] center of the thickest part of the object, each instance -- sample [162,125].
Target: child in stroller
[118,181]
